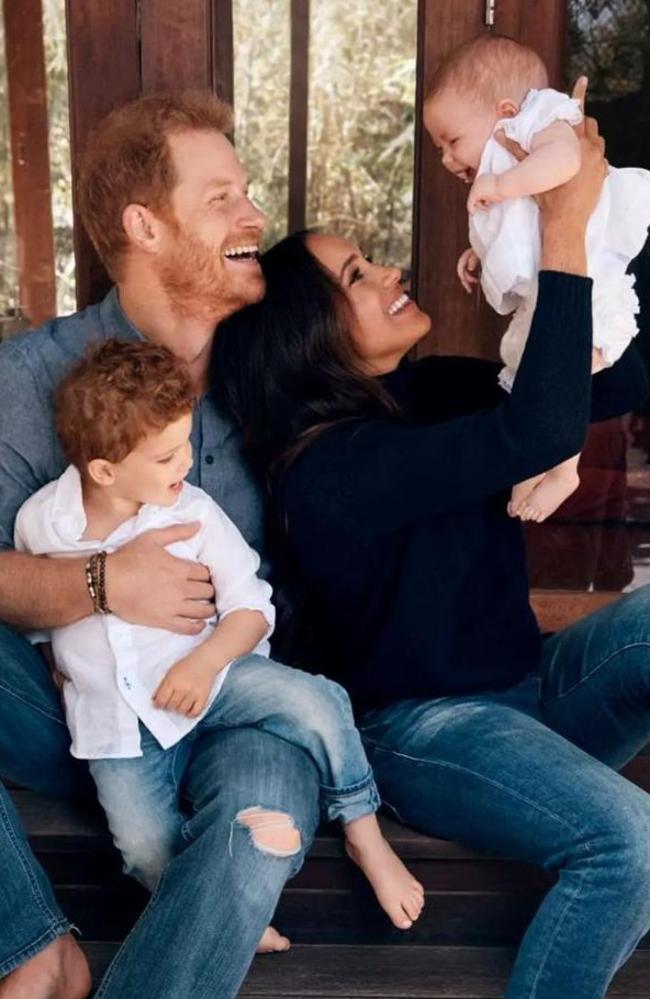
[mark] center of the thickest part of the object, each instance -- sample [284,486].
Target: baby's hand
[483,193]
[466,269]
[185,688]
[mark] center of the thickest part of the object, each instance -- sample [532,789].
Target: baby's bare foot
[548,495]
[271,942]
[397,891]
[60,971]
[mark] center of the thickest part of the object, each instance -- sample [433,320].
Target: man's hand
[185,688]
[466,268]
[146,585]
[484,192]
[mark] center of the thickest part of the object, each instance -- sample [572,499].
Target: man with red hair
[165,202]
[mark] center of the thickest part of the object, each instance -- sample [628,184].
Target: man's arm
[41,592]
[144,584]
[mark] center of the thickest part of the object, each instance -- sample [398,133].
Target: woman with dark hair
[388,484]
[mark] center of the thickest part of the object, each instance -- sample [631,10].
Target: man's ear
[507,108]
[142,227]
[101,472]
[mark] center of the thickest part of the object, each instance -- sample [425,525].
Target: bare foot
[520,494]
[397,891]
[556,486]
[272,942]
[60,971]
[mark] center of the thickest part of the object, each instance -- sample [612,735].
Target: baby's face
[459,127]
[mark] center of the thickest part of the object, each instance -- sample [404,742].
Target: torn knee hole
[271,832]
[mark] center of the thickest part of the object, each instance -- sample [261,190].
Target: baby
[490,84]
[133,693]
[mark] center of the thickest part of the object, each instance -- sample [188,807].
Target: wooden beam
[463,324]
[175,45]
[223,60]
[298,114]
[557,609]
[30,159]
[104,73]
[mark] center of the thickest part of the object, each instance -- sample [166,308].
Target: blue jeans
[140,795]
[198,934]
[527,773]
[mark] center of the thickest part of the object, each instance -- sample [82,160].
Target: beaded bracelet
[96,582]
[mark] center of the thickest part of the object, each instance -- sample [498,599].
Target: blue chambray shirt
[31,366]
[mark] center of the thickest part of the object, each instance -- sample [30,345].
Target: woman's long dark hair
[285,368]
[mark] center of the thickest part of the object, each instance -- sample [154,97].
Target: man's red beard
[198,284]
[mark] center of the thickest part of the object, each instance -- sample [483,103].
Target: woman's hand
[565,211]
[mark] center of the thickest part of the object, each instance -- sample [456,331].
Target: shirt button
[209,459]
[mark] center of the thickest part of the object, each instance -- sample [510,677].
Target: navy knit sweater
[413,576]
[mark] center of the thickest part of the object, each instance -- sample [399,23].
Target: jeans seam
[551,943]
[486,780]
[61,927]
[32,704]
[590,674]
[36,891]
[106,980]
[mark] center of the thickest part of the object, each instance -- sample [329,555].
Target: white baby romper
[506,237]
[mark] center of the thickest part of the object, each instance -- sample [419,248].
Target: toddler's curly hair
[115,395]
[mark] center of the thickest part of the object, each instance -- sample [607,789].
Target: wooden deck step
[350,972]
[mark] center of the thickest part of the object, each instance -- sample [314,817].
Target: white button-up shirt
[112,667]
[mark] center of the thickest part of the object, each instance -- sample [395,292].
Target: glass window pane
[361,117]
[261,31]
[56,66]
[600,538]
[9,284]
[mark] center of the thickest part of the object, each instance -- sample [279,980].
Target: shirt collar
[114,319]
[68,515]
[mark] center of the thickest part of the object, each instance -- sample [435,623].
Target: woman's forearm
[564,246]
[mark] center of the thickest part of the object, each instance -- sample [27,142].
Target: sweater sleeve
[381,474]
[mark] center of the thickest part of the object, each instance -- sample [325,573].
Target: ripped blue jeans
[141,795]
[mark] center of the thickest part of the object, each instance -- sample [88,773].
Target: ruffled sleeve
[539,110]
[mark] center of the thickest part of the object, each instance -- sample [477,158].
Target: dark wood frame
[30,158]
[462,324]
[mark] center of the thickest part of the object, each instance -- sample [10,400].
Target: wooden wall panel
[298,115]
[30,160]
[462,324]
[175,44]
[223,82]
[104,73]
[119,50]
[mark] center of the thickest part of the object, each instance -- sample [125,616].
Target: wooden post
[104,73]
[223,82]
[298,114]
[122,49]
[30,159]
[463,324]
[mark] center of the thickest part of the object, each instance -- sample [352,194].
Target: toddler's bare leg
[397,891]
[556,486]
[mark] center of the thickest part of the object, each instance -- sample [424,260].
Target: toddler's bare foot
[60,971]
[548,495]
[271,942]
[397,891]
